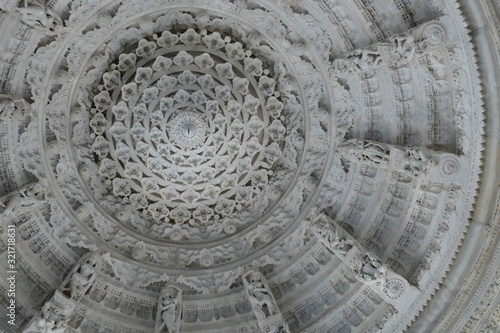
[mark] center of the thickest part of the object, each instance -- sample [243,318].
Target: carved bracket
[415,161]
[365,266]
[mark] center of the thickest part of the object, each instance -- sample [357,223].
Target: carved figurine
[403,49]
[53,315]
[366,151]
[278,329]
[371,270]
[417,161]
[264,305]
[45,326]
[260,295]
[39,17]
[330,236]
[437,68]
[366,59]
[169,310]
[82,276]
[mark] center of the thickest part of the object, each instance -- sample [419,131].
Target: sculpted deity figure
[371,270]
[278,329]
[39,17]
[260,295]
[55,315]
[82,276]
[438,69]
[360,60]
[403,48]
[374,152]
[264,305]
[169,310]
[366,59]
[413,161]
[365,151]
[45,326]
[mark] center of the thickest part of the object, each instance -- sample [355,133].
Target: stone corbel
[82,277]
[264,306]
[38,16]
[57,311]
[395,52]
[365,266]
[415,161]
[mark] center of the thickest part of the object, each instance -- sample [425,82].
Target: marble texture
[251,166]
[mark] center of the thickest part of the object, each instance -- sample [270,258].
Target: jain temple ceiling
[230,166]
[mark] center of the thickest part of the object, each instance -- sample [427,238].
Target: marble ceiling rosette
[195,141]
[185,128]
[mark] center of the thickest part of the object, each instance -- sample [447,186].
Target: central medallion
[192,129]
[188,129]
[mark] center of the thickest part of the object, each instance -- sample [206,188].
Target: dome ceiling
[248,166]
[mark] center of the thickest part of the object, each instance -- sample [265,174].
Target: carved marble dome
[241,166]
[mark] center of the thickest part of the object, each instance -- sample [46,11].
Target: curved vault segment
[255,166]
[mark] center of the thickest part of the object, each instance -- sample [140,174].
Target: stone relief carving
[168,317]
[360,60]
[133,275]
[55,315]
[82,276]
[413,161]
[396,52]
[418,161]
[371,270]
[332,238]
[38,16]
[263,303]
[184,131]
[278,107]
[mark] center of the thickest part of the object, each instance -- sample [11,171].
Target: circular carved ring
[448,166]
[394,288]
[434,35]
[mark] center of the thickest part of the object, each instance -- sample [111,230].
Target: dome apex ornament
[191,132]
[188,129]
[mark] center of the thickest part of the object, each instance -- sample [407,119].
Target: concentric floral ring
[152,118]
[190,133]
